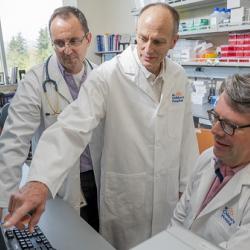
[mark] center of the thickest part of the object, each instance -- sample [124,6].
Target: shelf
[8,88]
[217,64]
[108,52]
[185,5]
[221,29]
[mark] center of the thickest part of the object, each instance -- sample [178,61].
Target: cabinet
[218,35]
[109,45]
[208,69]
[107,55]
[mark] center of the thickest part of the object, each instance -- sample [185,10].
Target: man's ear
[89,37]
[174,40]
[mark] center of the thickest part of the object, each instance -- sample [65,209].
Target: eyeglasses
[73,42]
[228,127]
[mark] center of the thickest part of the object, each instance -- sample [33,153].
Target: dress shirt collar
[150,76]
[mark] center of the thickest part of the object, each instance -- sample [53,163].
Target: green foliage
[20,55]
[17,53]
[44,48]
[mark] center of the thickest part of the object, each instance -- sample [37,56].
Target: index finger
[16,216]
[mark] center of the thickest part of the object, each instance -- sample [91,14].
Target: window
[24,40]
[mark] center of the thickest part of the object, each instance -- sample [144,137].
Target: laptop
[177,238]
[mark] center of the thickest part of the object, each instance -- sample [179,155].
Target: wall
[70,2]
[112,16]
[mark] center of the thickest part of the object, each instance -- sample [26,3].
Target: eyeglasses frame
[223,122]
[68,43]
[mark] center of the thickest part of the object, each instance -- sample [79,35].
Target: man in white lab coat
[149,143]
[37,104]
[216,203]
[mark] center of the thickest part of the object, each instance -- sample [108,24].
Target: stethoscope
[56,110]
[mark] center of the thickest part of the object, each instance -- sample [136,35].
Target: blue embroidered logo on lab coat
[177,97]
[227,215]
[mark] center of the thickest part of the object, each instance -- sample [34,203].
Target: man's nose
[217,129]
[149,47]
[67,48]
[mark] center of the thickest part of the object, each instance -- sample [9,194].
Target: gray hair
[237,88]
[65,12]
[175,15]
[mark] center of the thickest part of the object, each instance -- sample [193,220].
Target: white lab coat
[26,117]
[225,221]
[149,147]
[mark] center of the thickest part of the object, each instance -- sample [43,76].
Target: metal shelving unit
[221,66]
[212,31]
[186,5]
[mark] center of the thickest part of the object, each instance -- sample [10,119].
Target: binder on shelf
[108,42]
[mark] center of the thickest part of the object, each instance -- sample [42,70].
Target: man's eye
[142,38]
[157,42]
[59,43]
[74,41]
[229,124]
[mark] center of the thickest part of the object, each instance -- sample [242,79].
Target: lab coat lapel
[56,75]
[229,191]
[205,183]
[144,85]
[133,71]
[169,81]
[167,87]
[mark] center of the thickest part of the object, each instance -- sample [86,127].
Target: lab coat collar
[56,75]
[150,76]
[128,63]
[229,191]
[131,69]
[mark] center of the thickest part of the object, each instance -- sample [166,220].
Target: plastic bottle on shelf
[215,17]
[226,20]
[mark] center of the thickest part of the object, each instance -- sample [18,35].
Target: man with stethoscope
[43,93]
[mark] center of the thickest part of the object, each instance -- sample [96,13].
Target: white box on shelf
[237,15]
[237,3]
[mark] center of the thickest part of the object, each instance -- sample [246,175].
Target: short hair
[175,15]
[65,12]
[237,88]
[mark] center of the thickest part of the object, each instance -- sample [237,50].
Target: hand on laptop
[31,197]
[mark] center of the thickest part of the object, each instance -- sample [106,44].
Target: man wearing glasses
[43,93]
[216,203]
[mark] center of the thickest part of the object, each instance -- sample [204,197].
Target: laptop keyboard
[16,239]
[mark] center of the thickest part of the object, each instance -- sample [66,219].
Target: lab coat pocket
[125,193]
